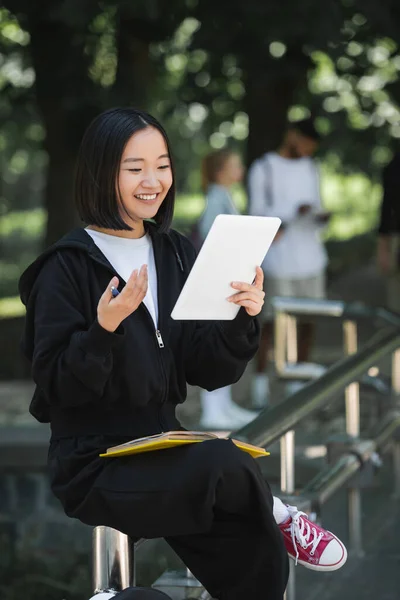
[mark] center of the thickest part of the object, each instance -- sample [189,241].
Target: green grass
[11,307]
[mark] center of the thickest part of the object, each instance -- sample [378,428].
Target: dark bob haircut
[307,128]
[98,164]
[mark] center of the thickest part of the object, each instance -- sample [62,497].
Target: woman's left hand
[250,296]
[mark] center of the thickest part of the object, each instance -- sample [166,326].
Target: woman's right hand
[112,311]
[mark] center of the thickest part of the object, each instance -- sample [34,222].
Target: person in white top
[220,170]
[285,184]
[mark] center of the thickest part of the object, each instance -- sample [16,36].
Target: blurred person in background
[389,230]
[220,171]
[285,184]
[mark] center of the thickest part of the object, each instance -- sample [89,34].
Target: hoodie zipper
[158,330]
[159,339]
[161,346]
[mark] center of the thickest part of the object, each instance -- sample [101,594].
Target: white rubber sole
[324,568]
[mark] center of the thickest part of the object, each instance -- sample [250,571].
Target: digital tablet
[233,248]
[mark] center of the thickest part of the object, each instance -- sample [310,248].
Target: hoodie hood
[78,239]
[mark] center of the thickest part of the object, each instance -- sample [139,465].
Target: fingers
[245,287]
[252,307]
[257,284]
[250,297]
[134,290]
[249,290]
[113,308]
[142,281]
[130,284]
[254,296]
[107,294]
[259,280]
[137,282]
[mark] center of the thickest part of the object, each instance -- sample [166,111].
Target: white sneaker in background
[230,420]
[220,412]
[242,414]
[223,422]
[260,390]
[294,386]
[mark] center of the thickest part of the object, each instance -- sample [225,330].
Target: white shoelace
[301,531]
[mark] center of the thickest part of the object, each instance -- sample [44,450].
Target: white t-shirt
[127,254]
[277,187]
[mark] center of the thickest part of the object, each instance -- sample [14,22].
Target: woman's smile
[148,198]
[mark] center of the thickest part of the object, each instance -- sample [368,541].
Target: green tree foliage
[263,57]
[86,56]
[215,73]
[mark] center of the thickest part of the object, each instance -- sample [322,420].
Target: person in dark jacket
[111,365]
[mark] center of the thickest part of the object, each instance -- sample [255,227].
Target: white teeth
[146,196]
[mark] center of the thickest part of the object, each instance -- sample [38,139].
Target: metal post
[352,398]
[112,560]
[280,341]
[288,487]
[352,395]
[396,442]
[396,372]
[287,463]
[354,516]
[291,337]
[396,467]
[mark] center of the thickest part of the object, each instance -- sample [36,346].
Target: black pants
[208,500]
[235,559]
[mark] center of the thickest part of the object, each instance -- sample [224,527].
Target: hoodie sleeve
[71,360]
[218,351]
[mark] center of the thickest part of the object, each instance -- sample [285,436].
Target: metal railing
[113,553]
[278,422]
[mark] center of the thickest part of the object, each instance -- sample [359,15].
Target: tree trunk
[270,91]
[267,103]
[64,96]
[61,213]
[68,100]
[135,72]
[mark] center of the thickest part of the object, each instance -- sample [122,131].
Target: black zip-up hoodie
[127,383]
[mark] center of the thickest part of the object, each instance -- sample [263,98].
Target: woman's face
[145,175]
[233,169]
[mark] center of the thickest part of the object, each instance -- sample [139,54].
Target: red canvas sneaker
[310,545]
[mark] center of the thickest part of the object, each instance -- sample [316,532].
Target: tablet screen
[235,245]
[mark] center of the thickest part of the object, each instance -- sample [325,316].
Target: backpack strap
[268,184]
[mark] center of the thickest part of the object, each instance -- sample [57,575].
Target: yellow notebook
[176,438]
